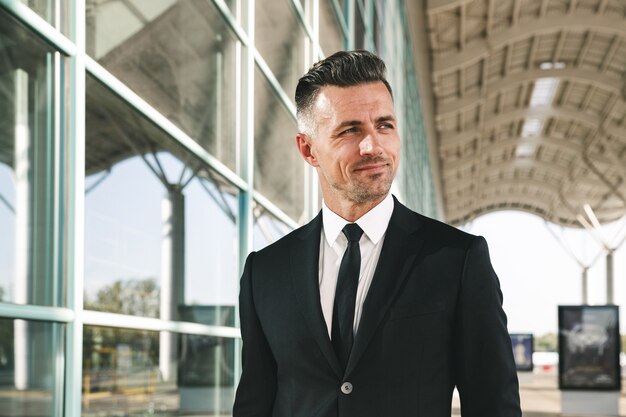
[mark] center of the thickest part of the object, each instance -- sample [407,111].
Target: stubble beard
[361,192]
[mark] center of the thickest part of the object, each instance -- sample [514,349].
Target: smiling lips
[371,167]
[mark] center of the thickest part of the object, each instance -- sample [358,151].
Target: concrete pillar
[172,276]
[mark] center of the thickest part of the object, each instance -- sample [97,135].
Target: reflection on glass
[160,229]
[278,167]
[31,372]
[359,28]
[53,11]
[331,35]
[179,56]
[131,373]
[267,228]
[280,39]
[29,208]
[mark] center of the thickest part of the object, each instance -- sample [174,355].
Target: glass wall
[146,147]
[124,373]
[31,368]
[30,196]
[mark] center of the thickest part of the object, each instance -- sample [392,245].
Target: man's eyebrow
[388,118]
[349,123]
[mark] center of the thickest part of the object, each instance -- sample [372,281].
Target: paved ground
[539,394]
[541,397]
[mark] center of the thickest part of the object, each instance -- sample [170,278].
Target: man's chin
[369,194]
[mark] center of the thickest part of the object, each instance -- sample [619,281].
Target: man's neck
[350,210]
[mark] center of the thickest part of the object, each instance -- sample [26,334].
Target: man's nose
[370,145]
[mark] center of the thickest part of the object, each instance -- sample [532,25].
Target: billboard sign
[522,344]
[589,346]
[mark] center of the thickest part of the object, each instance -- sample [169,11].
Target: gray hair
[342,69]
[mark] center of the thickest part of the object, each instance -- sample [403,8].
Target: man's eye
[347,131]
[386,126]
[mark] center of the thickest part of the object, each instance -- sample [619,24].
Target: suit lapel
[399,251]
[305,275]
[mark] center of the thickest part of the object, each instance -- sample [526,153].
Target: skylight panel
[544,91]
[525,150]
[552,65]
[532,127]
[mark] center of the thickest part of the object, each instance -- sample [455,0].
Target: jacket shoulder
[286,242]
[442,233]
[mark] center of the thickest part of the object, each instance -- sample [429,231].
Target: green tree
[135,297]
[546,343]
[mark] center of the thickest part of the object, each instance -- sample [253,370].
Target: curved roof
[530,106]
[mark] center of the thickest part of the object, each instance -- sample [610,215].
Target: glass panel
[29,191]
[137,372]
[331,35]
[359,28]
[179,56]
[267,228]
[160,232]
[53,11]
[278,167]
[281,39]
[31,368]
[377,30]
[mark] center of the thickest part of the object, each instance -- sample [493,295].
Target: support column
[609,277]
[172,276]
[21,166]
[585,286]
[34,176]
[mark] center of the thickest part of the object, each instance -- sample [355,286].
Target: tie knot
[353,232]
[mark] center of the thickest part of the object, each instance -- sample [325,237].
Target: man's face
[355,145]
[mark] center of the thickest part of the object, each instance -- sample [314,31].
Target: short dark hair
[341,69]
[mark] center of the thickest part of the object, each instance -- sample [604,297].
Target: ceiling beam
[462,24]
[508,54]
[559,46]
[615,44]
[596,78]
[441,6]
[517,4]
[548,24]
[585,48]
[448,140]
[543,8]
[450,172]
[489,22]
[489,148]
[506,184]
[531,53]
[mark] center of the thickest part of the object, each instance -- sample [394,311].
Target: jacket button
[346,388]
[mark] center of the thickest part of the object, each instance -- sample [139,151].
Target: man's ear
[303,141]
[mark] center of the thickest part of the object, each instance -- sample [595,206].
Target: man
[370,309]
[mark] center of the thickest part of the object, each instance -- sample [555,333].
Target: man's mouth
[371,167]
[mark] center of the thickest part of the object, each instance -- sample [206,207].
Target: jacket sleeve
[257,386]
[486,376]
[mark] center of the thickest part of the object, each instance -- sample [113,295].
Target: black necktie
[345,295]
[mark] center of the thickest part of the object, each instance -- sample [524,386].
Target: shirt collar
[374,223]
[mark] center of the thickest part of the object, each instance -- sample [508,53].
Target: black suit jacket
[432,320]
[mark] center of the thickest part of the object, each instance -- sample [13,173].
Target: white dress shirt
[334,243]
